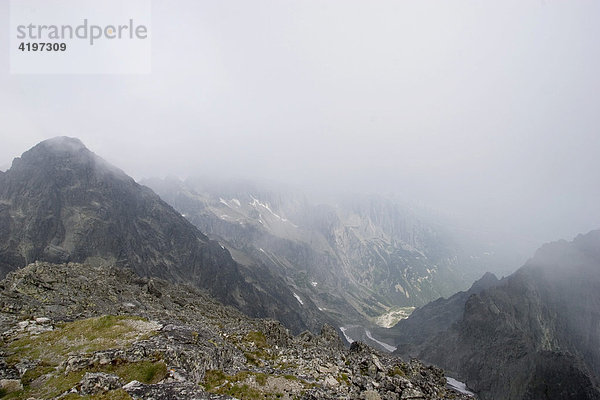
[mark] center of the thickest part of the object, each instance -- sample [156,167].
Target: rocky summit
[75,331]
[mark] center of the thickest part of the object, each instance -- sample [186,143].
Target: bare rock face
[536,334]
[428,321]
[59,202]
[123,336]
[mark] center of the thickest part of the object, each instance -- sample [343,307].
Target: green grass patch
[87,335]
[253,358]
[12,395]
[262,352]
[343,379]
[258,338]
[32,374]
[245,392]
[401,370]
[47,381]
[143,371]
[261,379]
[58,383]
[52,387]
[238,385]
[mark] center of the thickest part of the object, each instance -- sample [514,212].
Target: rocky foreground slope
[74,331]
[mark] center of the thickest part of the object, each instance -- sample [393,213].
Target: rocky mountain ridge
[73,330]
[533,335]
[428,321]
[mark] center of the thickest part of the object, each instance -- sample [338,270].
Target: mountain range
[108,291]
[363,259]
[59,202]
[85,248]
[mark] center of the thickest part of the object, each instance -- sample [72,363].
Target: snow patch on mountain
[298,298]
[458,386]
[348,338]
[386,346]
[257,203]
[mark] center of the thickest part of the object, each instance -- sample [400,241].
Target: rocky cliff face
[59,202]
[428,321]
[72,330]
[359,259]
[536,334]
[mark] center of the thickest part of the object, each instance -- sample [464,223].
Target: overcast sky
[487,109]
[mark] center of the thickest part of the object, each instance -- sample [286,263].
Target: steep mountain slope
[163,341]
[60,202]
[431,319]
[361,258]
[536,334]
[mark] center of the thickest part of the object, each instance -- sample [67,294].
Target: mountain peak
[63,155]
[486,281]
[63,143]
[60,146]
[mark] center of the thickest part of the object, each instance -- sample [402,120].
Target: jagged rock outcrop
[59,202]
[166,341]
[536,334]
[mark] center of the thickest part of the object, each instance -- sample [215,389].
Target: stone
[377,363]
[371,395]
[23,324]
[331,381]
[99,382]
[177,375]
[36,329]
[412,393]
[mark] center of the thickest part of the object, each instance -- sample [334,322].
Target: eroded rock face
[170,341]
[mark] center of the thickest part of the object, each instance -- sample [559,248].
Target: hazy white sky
[490,109]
